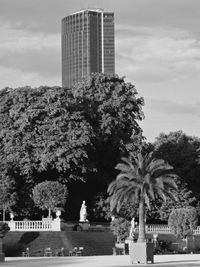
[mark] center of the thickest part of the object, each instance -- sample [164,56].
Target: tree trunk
[186,243]
[141,236]
[49,215]
[4,215]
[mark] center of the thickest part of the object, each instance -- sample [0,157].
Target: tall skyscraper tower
[88,45]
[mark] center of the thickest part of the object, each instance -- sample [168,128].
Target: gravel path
[188,260]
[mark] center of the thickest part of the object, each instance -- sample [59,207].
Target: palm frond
[158,167]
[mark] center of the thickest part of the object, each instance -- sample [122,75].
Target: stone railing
[163,229]
[197,231]
[49,224]
[156,228]
[46,224]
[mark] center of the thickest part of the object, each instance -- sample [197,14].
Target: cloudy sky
[157,49]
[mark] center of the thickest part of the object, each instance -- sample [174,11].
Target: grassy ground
[94,243]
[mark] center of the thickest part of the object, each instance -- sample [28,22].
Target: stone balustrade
[49,224]
[197,231]
[163,229]
[156,228]
[45,225]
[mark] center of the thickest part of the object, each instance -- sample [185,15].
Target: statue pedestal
[56,224]
[141,252]
[84,225]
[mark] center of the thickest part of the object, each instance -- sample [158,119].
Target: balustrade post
[56,223]
[11,224]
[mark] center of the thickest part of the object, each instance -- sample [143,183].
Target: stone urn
[58,213]
[11,216]
[4,228]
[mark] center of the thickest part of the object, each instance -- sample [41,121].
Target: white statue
[132,228]
[83,212]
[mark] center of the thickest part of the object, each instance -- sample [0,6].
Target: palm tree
[141,180]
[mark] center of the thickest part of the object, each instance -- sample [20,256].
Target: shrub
[120,228]
[4,228]
[183,221]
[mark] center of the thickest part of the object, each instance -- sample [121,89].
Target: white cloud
[129,30]
[148,56]
[19,40]
[15,78]
[29,57]
[174,108]
[167,116]
[165,65]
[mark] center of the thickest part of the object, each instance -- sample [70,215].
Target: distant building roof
[89,9]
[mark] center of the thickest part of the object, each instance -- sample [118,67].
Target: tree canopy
[183,221]
[160,210]
[181,151]
[64,134]
[112,108]
[50,195]
[40,130]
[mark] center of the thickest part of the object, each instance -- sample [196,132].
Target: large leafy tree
[41,135]
[141,179]
[181,152]
[64,134]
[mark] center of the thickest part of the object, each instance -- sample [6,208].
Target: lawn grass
[94,243]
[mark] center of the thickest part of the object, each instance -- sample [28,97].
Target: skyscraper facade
[88,45]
